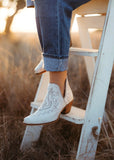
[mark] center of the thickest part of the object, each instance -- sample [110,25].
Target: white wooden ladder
[99,76]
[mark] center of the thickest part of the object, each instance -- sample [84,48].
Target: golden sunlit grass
[16,67]
[24,21]
[19,54]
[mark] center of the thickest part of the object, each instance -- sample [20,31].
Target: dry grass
[18,84]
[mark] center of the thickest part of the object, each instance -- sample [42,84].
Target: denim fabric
[53,19]
[29,3]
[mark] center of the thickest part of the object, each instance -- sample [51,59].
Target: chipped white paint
[98,93]
[76,115]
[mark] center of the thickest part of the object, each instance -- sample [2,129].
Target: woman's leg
[53,19]
[48,13]
[53,23]
[59,79]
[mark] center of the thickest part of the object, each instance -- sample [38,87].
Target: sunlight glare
[11,11]
[75,25]
[3,16]
[5,3]
[24,21]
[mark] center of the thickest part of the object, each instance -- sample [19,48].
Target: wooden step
[76,115]
[83,51]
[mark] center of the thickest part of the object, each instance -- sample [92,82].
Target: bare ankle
[59,79]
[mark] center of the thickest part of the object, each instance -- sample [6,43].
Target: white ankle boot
[52,106]
[39,69]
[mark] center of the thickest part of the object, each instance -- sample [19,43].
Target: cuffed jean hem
[55,64]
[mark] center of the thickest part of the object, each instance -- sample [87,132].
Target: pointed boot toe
[54,103]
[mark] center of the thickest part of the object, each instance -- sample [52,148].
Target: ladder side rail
[98,93]
[86,43]
[42,88]
[32,133]
[95,22]
[84,24]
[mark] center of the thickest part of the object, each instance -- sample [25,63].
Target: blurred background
[20,52]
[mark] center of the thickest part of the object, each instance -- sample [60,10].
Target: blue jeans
[53,19]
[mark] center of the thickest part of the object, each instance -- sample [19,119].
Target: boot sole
[65,110]
[40,72]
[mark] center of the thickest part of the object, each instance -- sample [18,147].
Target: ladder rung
[83,51]
[76,115]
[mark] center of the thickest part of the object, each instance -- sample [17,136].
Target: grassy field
[19,54]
